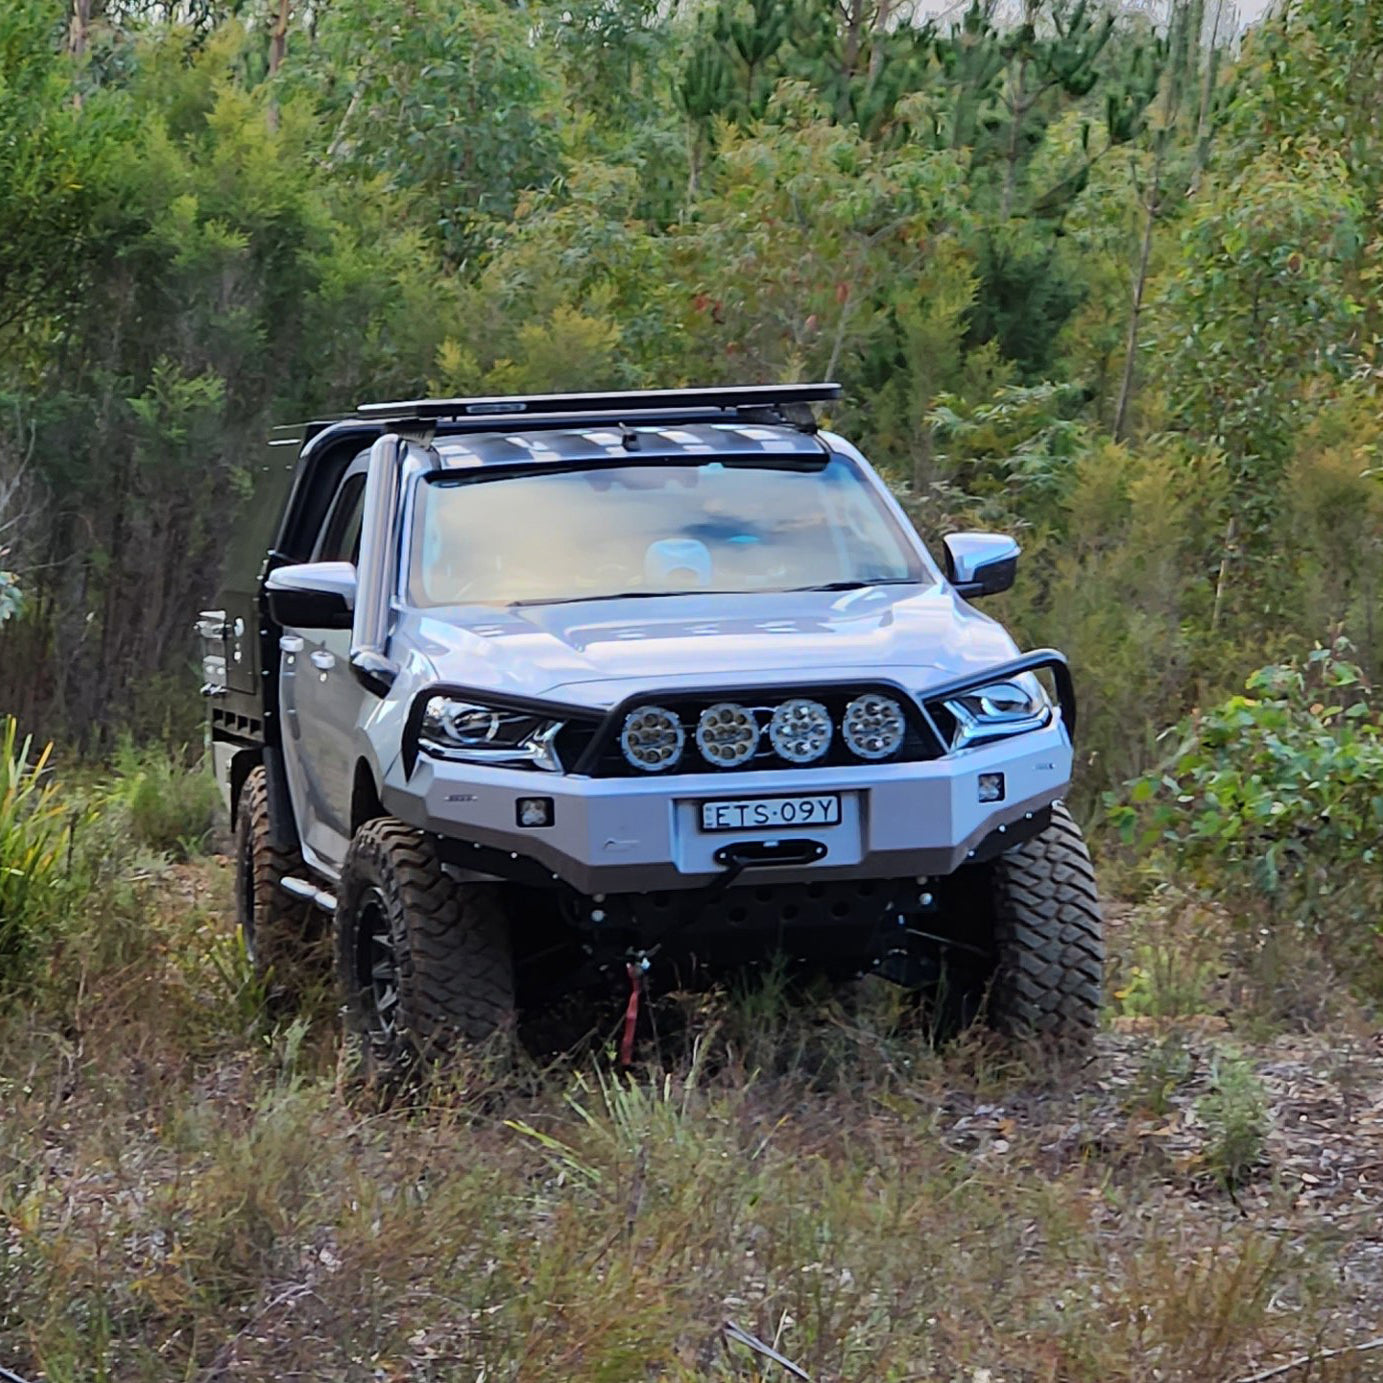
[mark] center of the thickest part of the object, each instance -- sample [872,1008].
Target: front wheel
[424,962]
[1048,937]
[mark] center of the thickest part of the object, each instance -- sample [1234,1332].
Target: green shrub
[1164,981]
[33,836]
[1235,1117]
[1164,1067]
[172,808]
[1277,795]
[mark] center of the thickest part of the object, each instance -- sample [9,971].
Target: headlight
[996,711]
[488,735]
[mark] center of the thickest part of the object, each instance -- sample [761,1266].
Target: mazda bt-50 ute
[530,694]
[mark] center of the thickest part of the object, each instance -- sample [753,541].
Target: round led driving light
[727,735]
[800,730]
[652,739]
[874,726]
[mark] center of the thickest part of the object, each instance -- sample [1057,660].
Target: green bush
[171,807]
[33,836]
[1235,1117]
[1273,800]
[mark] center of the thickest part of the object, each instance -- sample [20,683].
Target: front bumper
[627,835]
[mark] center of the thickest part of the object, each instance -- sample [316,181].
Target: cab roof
[622,443]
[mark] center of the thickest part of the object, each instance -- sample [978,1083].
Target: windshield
[652,528]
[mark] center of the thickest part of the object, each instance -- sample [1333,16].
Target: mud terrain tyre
[1048,938]
[282,933]
[424,962]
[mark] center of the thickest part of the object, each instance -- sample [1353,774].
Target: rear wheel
[1048,937]
[282,933]
[425,962]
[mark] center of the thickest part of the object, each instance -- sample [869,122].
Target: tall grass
[33,835]
[171,807]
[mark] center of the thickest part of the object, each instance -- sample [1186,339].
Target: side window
[340,540]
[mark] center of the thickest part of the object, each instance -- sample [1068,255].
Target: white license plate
[770,813]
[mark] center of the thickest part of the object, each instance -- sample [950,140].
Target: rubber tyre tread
[451,945]
[1048,938]
[282,933]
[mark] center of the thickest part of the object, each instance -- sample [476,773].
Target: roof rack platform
[789,400]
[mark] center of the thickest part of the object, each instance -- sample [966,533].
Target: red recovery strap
[631,1013]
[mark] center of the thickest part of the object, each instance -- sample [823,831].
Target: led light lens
[996,711]
[474,733]
[991,787]
[727,735]
[652,739]
[534,811]
[800,730]
[874,726]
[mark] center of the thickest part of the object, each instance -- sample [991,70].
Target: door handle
[290,643]
[322,660]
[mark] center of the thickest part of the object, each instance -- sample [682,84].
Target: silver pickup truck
[531,694]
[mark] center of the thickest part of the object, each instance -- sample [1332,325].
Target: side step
[305,888]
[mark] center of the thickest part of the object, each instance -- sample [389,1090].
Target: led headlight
[727,735]
[996,711]
[874,726]
[800,730]
[652,739]
[477,734]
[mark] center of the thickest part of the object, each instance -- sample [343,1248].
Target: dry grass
[192,1190]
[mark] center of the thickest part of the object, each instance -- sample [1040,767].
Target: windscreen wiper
[615,595]
[857,585]
[663,595]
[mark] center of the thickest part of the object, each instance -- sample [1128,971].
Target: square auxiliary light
[991,787]
[534,811]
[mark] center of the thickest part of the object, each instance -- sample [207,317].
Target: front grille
[605,759]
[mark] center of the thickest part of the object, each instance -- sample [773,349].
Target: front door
[322,702]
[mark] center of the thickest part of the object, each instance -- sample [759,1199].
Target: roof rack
[790,401]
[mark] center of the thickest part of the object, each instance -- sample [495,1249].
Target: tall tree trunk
[78,40]
[1222,580]
[1019,110]
[1019,104]
[278,47]
[278,50]
[1182,40]
[1151,207]
[877,36]
[1212,65]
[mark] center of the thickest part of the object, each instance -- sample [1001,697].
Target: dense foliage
[1272,801]
[1105,283]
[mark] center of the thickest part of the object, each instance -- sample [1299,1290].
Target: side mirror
[312,595]
[981,563]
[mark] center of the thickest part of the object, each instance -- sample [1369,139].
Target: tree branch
[1305,1359]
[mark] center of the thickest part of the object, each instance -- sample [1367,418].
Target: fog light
[652,739]
[991,787]
[535,811]
[727,735]
[800,730]
[874,726]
